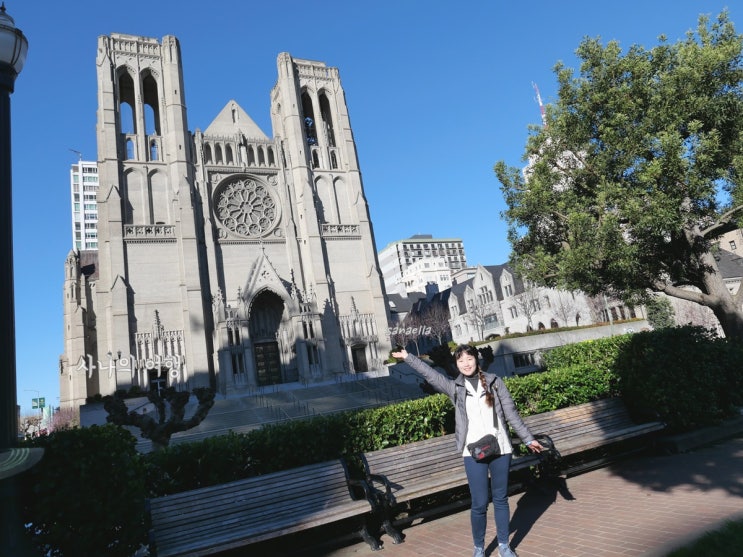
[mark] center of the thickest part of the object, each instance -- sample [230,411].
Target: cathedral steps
[242,414]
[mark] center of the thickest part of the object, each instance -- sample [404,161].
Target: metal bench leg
[368,537]
[386,507]
[392,532]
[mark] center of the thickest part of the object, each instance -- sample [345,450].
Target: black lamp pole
[13,47]
[13,460]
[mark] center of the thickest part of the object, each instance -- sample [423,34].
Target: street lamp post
[13,460]
[13,48]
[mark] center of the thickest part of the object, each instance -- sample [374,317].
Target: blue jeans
[481,490]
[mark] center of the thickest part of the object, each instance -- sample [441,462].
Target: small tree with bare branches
[435,320]
[167,421]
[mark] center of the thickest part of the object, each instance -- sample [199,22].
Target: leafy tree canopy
[636,172]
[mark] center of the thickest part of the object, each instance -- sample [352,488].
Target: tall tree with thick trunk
[636,173]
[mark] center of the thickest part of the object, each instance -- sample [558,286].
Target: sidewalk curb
[684,442]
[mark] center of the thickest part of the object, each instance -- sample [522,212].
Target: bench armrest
[364,486]
[373,479]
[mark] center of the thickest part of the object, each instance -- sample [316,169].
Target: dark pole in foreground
[13,460]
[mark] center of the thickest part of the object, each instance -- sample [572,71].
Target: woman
[482,405]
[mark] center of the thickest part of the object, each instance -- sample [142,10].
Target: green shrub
[85,498]
[401,423]
[560,387]
[601,353]
[184,466]
[298,442]
[686,374]
[284,445]
[660,312]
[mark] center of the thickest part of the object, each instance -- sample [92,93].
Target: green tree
[636,173]
[660,312]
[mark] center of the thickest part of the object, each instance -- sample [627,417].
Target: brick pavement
[644,507]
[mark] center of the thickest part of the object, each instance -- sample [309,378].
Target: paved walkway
[645,507]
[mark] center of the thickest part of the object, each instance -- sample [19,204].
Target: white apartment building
[425,271]
[396,257]
[83,192]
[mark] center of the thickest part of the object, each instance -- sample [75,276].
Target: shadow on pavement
[535,500]
[719,466]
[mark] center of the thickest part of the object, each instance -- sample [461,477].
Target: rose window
[246,208]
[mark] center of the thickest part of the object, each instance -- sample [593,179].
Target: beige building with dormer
[226,257]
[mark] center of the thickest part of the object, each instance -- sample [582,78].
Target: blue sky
[437,93]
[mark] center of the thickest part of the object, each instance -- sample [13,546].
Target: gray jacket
[455,389]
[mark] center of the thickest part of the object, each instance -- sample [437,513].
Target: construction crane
[541,106]
[79,154]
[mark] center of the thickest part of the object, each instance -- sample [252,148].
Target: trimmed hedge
[85,498]
[295,443]
[560,387]
[687,375]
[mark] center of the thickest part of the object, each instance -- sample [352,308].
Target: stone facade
[494,301]
[227,258]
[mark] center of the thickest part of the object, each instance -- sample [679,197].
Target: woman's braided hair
[472,351]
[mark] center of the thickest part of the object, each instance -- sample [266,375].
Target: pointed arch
[327,119]
[158,198]
[308,112]
[127,120]
[154,155]
[327,212]
[151,102]
[129,148]
[346,213]
[133,198]
[264,327]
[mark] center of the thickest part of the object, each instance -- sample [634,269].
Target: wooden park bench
[433,466]
[419,469]
[587,429]
[208,520]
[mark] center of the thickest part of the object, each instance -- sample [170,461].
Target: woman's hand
[401,354]
[535,446]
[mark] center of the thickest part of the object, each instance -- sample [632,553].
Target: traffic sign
[38,402]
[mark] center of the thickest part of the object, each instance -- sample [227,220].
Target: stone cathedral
[227,258]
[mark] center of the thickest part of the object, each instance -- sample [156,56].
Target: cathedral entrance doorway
[267,363]
[264,325]
[358,354]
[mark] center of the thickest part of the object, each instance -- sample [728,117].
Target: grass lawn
[725,542]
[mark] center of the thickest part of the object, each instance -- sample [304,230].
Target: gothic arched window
[327,119]
[310,131]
